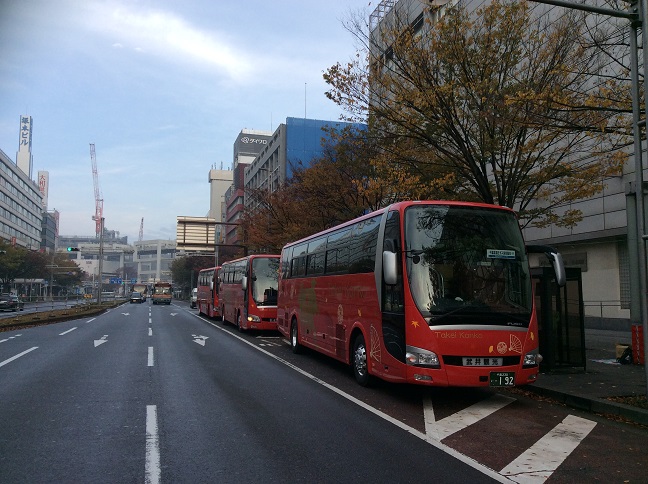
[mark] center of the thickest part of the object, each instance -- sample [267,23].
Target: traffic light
[73,249]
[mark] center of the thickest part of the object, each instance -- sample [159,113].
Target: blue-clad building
[296,142]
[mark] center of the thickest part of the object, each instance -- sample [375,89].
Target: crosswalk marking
[462,419]
[538,462]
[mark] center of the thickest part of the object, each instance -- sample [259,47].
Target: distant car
[194,297]
[136,297]
[20,304]
[7,303]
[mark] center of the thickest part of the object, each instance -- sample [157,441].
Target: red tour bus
[248,292]
[426,292]
[207,299]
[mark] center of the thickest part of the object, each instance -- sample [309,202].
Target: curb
[634,414]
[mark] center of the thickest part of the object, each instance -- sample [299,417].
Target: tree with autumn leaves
[499,105]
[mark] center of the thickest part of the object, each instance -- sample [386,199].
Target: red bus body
[248,292]
[455,310]
[208,301]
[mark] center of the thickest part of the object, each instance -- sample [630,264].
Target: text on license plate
[472,361]
[502,378]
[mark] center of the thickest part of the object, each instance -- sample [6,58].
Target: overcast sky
[162,88]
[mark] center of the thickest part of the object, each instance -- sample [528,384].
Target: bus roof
[400,206]
[253,256]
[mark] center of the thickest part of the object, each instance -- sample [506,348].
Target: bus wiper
[434,320]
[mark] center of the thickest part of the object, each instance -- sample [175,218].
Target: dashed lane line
[3,363]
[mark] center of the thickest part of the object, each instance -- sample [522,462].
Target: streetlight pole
[101,240]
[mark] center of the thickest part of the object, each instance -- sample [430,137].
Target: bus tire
[238,323]
[294,337]
[359,361]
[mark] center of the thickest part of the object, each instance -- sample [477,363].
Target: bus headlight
[253,318]
[420,357]
[531,359]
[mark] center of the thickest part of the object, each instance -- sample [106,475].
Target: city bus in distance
[162,293]
[248,292]
[208,302]
[426,292]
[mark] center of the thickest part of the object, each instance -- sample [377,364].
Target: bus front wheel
[359,361]
[294,337]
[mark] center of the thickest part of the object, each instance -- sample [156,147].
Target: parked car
[7,303]
[194,297]
[136,297]
[20,304]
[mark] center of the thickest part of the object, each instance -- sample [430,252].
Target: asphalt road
[155,394]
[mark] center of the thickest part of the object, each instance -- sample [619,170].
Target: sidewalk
[603,378]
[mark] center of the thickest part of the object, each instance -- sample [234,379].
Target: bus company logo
[459,335]
[501,347]
[258,141]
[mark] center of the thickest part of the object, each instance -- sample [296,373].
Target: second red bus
[248,292]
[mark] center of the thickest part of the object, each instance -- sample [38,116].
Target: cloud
[168,37]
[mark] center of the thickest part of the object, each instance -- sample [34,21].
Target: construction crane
[141,234]
[98,199]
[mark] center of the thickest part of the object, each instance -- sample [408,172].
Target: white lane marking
[444,448]
[199,339]
[90,320]
[150,320]
[10,337]
[150,331]
[150,356]
[152,469]
[68,331]
[464,418]
[539,461]
[3,363]
[101,341]
[429,419]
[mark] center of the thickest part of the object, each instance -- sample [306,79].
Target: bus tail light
[420,357]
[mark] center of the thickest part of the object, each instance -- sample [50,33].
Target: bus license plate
[502,378]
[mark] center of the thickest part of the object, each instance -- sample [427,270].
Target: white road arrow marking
[126,314]
[200,339]
[101,341]
[10,337]
[173,314]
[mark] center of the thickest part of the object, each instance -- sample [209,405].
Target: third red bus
[426,292]
[207,301]
[248,292]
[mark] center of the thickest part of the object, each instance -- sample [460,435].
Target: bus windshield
[265,280]
[467,265]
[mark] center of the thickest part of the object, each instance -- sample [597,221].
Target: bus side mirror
[556,261]
[244,283]
[390,268]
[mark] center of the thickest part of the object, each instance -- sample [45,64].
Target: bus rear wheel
[359,361]
[294,337]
